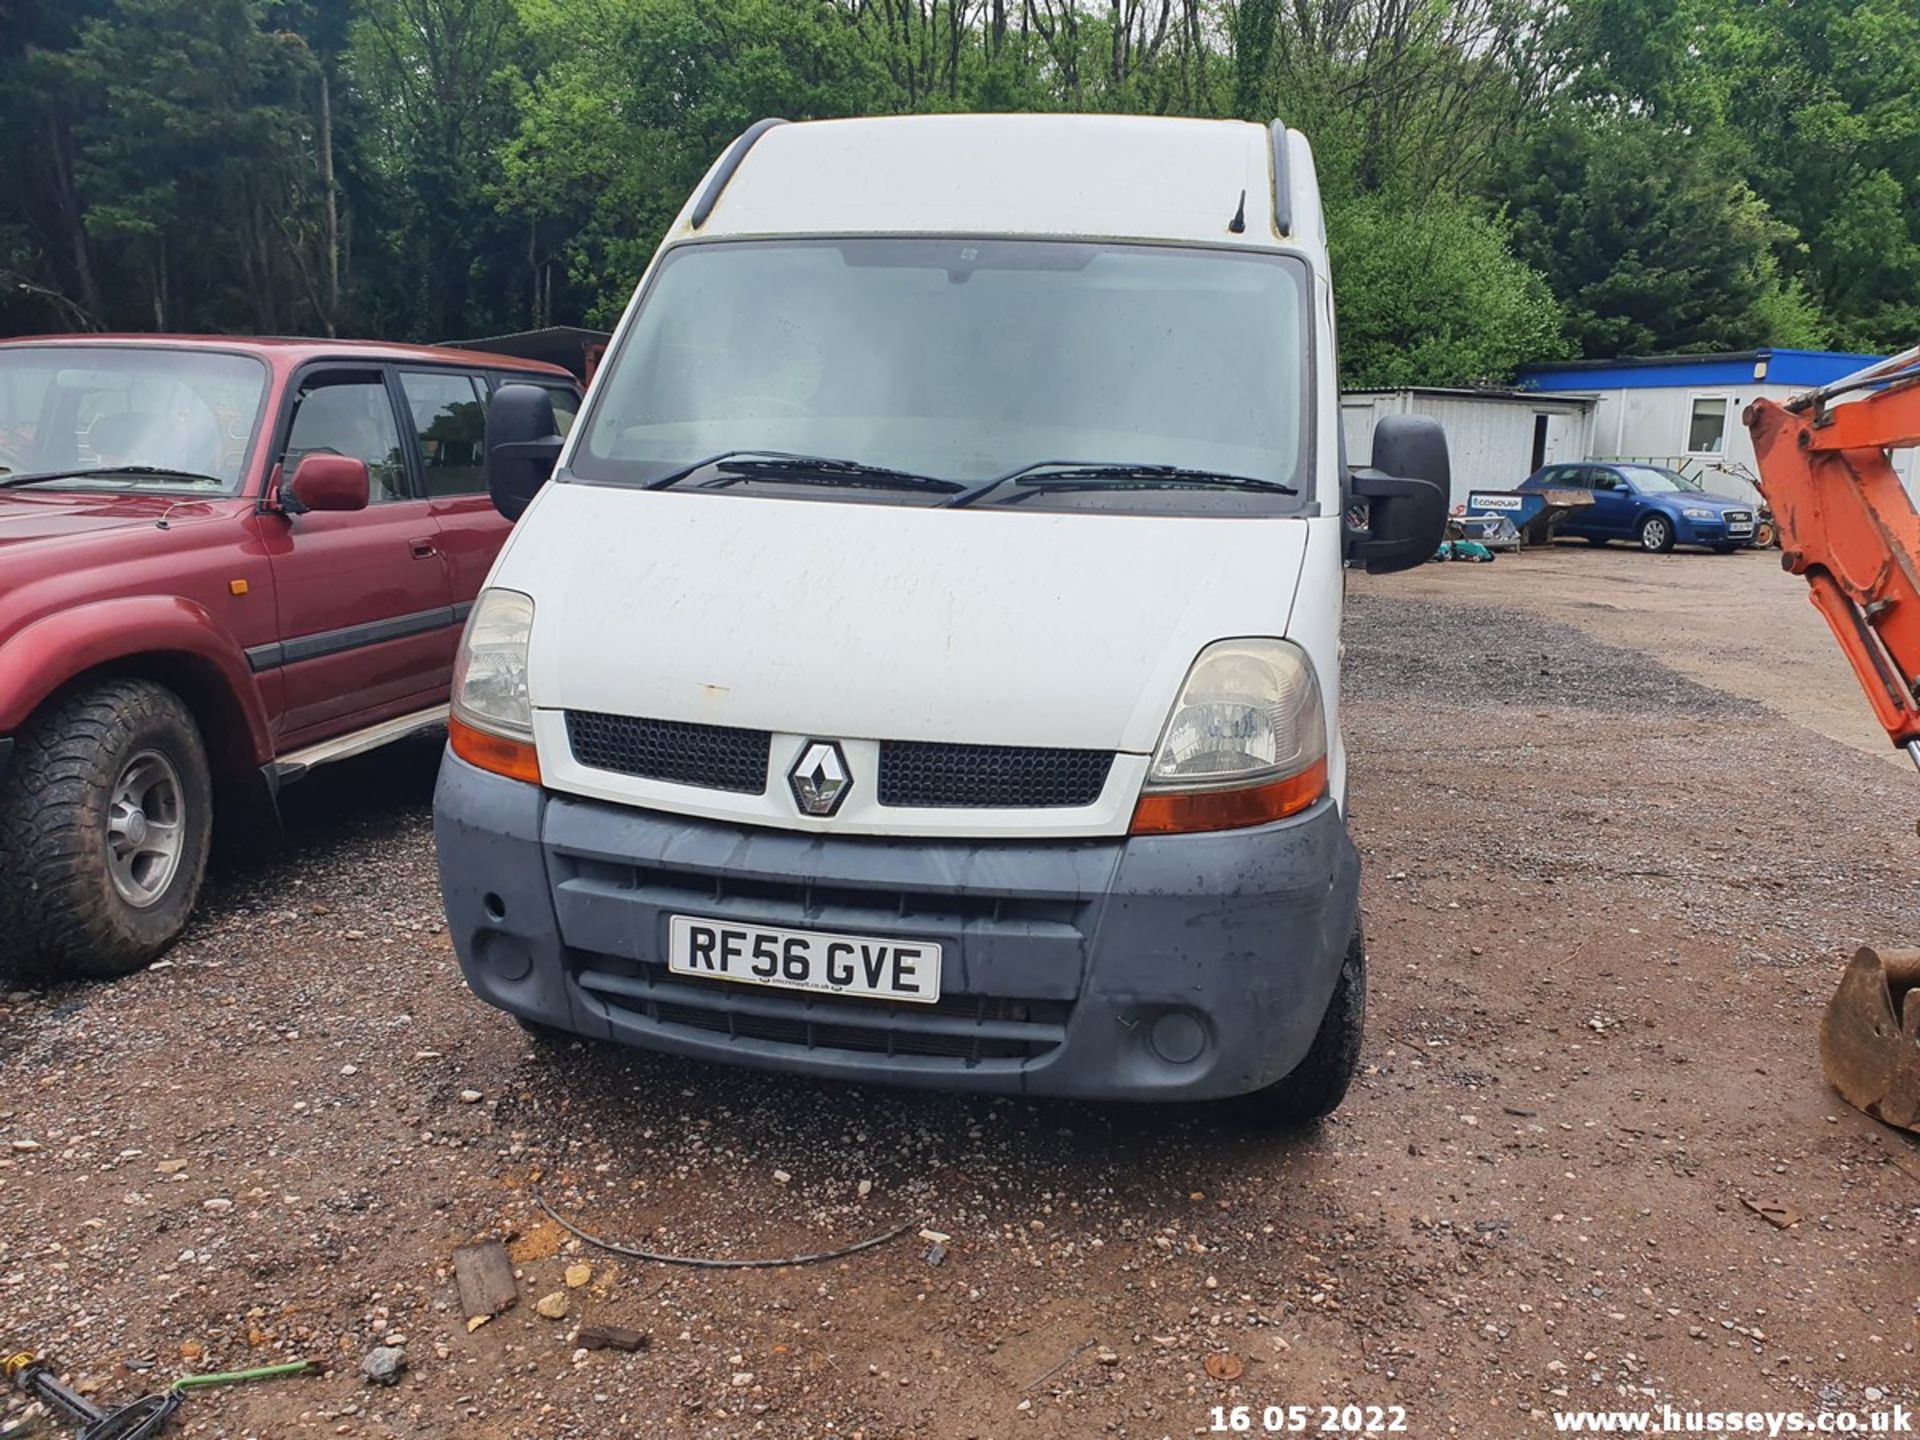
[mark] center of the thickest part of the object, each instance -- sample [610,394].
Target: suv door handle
[422,549]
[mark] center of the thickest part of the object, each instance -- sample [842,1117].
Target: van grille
[989,777]
[788,900]
[716,757]
[913,773]
[962,1030]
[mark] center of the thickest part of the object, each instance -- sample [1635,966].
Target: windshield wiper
[745,465]
[1078,475]
[166,471]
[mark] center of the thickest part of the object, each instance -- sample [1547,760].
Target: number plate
[865,965]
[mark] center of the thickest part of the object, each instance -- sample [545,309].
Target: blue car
[1652,506]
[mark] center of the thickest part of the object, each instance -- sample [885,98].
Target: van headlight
[1246,743]
[492,721]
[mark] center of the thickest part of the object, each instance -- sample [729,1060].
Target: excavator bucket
[1870,1038]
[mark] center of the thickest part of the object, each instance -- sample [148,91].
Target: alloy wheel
[145,828]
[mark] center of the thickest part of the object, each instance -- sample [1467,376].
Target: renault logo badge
[820,778]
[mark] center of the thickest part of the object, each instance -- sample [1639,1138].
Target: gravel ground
[1606,905]
[1400,653]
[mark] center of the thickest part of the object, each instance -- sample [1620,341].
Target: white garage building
[1680,411]
[1495,438]
[1683,411]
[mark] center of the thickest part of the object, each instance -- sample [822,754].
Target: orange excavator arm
[1847,525]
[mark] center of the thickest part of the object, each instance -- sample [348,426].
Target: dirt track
[1605,898]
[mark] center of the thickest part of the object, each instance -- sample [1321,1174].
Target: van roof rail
[1282,190]
[730,162]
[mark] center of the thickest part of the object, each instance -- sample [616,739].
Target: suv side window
[449,415]
[349,412]
[566,406]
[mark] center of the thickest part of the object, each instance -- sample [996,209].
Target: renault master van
[921,660]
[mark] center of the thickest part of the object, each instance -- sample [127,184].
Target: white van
[924,665]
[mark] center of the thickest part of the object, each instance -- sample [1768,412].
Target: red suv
[222,562]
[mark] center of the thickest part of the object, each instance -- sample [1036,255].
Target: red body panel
[36,661]
[334,572]
[314,624]
[471,533]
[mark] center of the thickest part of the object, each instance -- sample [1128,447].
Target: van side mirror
[326,482]
[1406,491]
[523,442]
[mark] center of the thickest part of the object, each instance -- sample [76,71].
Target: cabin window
[1707,425]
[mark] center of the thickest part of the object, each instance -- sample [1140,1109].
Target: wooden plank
[611,1337]
[486,1279]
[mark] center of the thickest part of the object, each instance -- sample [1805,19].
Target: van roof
[1121,176]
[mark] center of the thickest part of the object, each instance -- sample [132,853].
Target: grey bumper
[1177,967]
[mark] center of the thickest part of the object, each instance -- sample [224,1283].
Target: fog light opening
[1178,1037]
[502,956]
[495,907]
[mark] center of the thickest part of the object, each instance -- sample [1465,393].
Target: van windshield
[964,359]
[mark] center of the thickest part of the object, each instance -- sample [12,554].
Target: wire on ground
[706,1262]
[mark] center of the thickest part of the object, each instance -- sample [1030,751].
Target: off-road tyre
[1319,1083]
[61,914]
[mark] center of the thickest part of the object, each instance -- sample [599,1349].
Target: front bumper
[1169,967]
[1712,532]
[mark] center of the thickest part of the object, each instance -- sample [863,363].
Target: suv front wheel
[105,817]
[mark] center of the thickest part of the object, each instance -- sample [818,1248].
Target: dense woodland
[1506,181]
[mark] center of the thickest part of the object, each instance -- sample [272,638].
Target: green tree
[173,175]
[1824,97]
[50,276]
[1407,94]
[1685,174]
[1650,239]
[1643,58]
[1430,294]
[436,81]
[197,165]
[635,98]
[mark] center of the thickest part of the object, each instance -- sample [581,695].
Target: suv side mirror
[523,442]
[326,482]
[1406,490]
